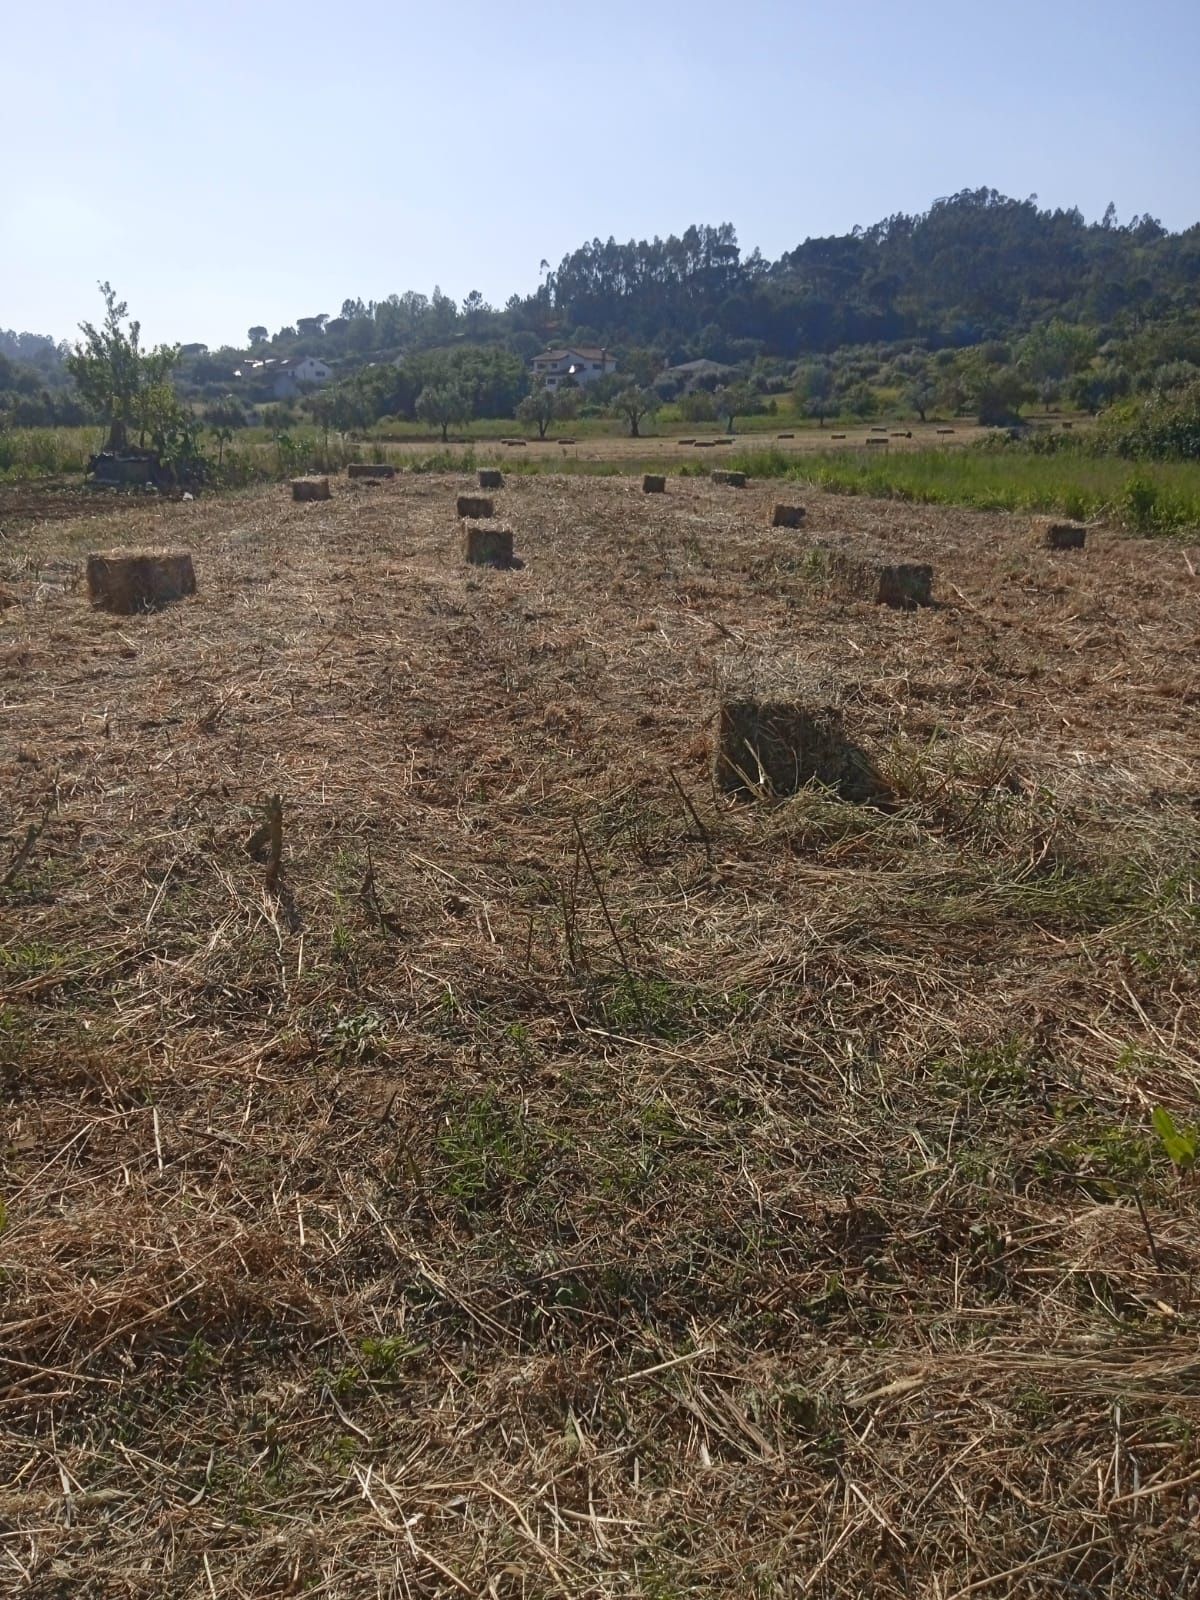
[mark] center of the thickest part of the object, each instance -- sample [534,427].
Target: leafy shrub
[1164,427]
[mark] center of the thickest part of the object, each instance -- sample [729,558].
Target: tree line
[982,301]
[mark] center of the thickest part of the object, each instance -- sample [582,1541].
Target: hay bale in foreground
[310,488]
[491,478]
[787,516]
[487,545]
[139,580]
[780,746]
[653,485]
[475,506]
[370,469]
[1050,533]
[903,585]
[732,480]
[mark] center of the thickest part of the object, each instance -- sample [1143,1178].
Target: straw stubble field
[547,1176]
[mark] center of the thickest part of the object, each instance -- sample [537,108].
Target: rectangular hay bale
[903,585]
[491,478]
[310,488]
[1052,533]
[139,580]
[787,516]
[475,506]
[370,469]
[651,484]
[487,545]
[781,746]
[731,480]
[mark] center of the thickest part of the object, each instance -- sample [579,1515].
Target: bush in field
[1164,427]
[1093,390]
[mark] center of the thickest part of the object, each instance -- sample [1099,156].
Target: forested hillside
[1108,305]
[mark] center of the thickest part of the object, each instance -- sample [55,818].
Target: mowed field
[568,1181]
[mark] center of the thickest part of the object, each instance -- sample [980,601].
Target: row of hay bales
[143,580]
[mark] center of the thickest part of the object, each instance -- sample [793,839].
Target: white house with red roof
[581,364]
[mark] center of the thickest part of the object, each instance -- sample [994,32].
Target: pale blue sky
[234,163]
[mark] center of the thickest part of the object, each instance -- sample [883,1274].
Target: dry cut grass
[508,1167]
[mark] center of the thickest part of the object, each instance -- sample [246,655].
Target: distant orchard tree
[441,405]
[813,393]
[733,401]
[698,407]
[113,373]
[921,394]
[635,405]
[860,400]
[227,412]
[999,396]
[257,335]
[543,406]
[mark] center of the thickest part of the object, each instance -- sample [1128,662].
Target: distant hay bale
[653,485]
[779,746]
[685,441]
[945,430]
[783,516]
[732,480]
[490,478]
[837,435]
[705,444]
[883,442]
[516,444]
[722,441]
[785,435]
[1050,533]
[310,488]
[475,506]
[486,545]
[878,430]
[568,441]
[370,469]
[903,585]
[900,434]
[139,580]
[1067,426]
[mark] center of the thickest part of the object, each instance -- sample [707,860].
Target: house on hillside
[580,364]
[690,375]
[286,378]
